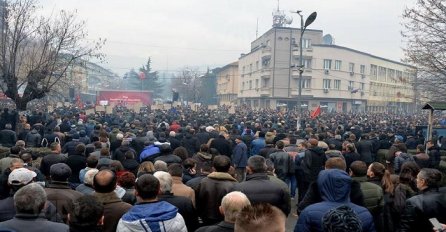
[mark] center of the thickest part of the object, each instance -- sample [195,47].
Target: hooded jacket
[152,216]
[334,186]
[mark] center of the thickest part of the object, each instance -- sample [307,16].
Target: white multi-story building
[338,78]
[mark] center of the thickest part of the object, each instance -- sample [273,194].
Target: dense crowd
[210,170]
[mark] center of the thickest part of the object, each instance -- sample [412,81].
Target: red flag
[316,112]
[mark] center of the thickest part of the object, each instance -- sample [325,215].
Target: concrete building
[228,84]
[337,78]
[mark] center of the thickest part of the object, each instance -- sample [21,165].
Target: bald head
[104,181]
[231,205]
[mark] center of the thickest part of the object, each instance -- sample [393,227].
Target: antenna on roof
[279,17]
[257,28]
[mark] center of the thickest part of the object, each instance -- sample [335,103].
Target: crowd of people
[209,170]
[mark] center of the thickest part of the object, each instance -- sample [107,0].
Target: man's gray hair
[165,180]
[257,164]
[30,199]
[89,176]
[160,165]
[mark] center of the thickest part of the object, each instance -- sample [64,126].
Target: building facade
[337,78]
[228,84]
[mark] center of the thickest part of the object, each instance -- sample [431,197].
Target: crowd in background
[209,170]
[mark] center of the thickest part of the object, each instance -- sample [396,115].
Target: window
[351,85]
[257,65]
[250,68]
[382,72]
[373,72]
[327,64]
[306,83]
[250,84]
[391,75]
[362,86]
[243,70]
[257,83]
[306,43]
[337,84]
[243,85]
[362,69]
[351,67]
[326,84]
[307,63]
[338,65]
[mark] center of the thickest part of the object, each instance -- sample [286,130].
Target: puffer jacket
[373,195]
[33,138]
[334,186]
[152,216]
[400,160]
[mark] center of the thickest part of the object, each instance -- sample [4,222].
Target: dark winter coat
[222,145]
[210,192]
[76,162]
[185,208]
[431,203]
[61,195]
[114,208]
[313,162]
[260,189]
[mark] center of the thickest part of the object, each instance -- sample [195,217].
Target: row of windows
[389,75]
[338,66]
[326,84]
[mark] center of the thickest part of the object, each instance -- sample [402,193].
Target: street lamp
[303,27]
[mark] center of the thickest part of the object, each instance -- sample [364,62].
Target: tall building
[337,78]
[228,84]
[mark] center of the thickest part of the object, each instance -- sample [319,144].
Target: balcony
[295,72]
[265,92]
[266,52]
[296,52]
[266,73]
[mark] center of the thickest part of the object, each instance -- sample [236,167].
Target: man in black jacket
[222,144]
[184,204]
[430,203]
[312,163]
[260,189]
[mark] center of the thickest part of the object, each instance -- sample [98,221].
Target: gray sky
[213,33]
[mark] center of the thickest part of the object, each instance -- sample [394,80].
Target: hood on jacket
[204,155]
[159,211]
[334,185]
[317,150]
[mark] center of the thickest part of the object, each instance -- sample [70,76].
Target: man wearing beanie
[58,190]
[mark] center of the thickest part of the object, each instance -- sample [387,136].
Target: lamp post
[303,27]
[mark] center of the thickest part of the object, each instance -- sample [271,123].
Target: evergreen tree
[144,80]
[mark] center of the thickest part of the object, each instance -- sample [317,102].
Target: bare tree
[188,83]
[37,51]
[424,28]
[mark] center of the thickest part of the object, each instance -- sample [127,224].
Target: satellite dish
[328,39]
[288,20]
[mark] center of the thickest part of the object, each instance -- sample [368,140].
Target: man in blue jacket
[240,158]
[149,214]
[334,186]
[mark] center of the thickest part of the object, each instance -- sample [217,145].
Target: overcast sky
[213,33]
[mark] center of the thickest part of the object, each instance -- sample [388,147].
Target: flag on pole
[316,112]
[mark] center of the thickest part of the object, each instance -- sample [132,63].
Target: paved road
[291,220]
